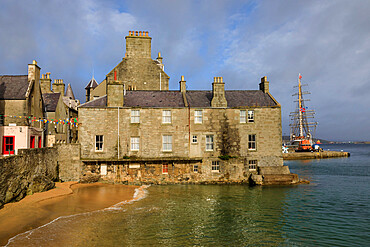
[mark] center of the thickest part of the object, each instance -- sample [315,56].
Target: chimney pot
[34,62]
[136,33]
[140,33]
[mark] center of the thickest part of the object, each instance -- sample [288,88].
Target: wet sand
[66,199]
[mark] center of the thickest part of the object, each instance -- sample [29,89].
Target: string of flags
[70,121]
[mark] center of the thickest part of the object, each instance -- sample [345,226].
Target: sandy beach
[66,199]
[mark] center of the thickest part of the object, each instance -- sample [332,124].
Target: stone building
[136,71]
[153,135]
[60,104]
[21,108]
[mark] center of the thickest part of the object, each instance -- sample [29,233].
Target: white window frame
[252,142]
[252,165]
[215,167]
[167,143]
[194,139]
[250,116]
[135,116]
[243,116]
[210,140]
[103,169]
[135,143]
[99,142]
[166,117]
[198,116]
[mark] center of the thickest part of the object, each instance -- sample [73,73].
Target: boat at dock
[302,127]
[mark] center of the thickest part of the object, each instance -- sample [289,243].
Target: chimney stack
[45,83]
[264,85]
[138,44]
[182,85]
[218,90]
[33,71]
[59,86]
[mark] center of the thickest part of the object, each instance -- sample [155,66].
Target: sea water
[333,210]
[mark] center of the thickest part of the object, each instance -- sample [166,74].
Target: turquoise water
[334,210]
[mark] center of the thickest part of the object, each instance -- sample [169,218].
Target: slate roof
[99,102]
[238,98]
[92,84]
[50,101]
[13,87]
[154,99]
[235,98]
[69,92]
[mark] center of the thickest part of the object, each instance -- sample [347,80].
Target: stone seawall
[35,170]
[315,155]
[31,171]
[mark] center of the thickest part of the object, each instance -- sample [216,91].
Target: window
[250,116]
[252,142]
[194,139]
[165,169]
[135,116]
[40,143]
[198,116]
[215,166]
[8,144]
[243,116]
[103,169]
[252,165]
[135,143]
[166,116]
[195,168]
[99,140]
[209,142]
[32,142]
[167,143]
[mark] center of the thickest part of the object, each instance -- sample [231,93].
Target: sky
[328,42]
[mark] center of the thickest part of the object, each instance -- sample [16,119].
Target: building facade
[21,109]
[150,134]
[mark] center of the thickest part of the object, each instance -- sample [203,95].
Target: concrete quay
[314,155]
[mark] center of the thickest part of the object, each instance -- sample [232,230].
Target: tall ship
[302,127]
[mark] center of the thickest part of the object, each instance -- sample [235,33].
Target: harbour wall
[314,155]
[36,170]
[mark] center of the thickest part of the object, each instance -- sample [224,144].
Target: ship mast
[301,128]
[300,106]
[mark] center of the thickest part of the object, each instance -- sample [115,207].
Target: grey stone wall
[150,172]
[31,171]
[230,136]
[69,164]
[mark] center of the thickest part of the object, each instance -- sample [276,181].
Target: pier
[314,155]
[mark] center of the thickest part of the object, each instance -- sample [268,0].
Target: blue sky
[328,42]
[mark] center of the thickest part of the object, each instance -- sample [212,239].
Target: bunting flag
[302,109]
[68,121]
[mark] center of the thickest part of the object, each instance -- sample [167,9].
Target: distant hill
[287,139]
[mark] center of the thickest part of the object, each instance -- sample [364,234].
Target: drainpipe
[118,134]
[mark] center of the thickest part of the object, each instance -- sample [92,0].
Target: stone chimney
[159,58]
[138,44]
[33,71]
[115,94]
[182,84]
[59,86]
[218,90]
[264,85]
[45,83]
